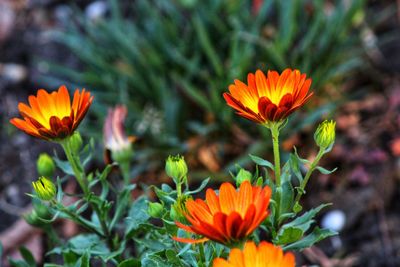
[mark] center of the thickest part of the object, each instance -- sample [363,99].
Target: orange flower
[228,217]
[265,255]
[269,99]
[51,116]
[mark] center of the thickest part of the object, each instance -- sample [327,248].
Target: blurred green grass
[170,61]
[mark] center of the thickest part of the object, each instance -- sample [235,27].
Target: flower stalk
[303,184]
[74,160]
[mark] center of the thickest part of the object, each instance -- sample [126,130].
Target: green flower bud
[155,209]
[176,168]
[122,156]
[324,136]
[39,212]
[76,142]
[45,165]
[243,175]
[178,209]
[45,189]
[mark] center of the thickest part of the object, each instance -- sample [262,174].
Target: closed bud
[243,175]
[155,209]
[45,165]
[122,156]
[45,189]
[178,209]
[39,213]
[176,168]
[76,142]
[324,136]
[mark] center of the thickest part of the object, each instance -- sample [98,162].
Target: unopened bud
[155,209]
[324,136]
[243,175]
[45,165]
[39,213]
[45,189]
[176,168]
[76,142]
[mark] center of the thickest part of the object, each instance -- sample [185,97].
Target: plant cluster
[256,221]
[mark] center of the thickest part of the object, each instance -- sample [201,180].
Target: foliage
[122,231]
[162,58]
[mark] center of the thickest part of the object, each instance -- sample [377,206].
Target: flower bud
[324,136]
[243,175]
[36,216]
[76,142]
[176,168]
[45,165]
[178,209]
[45,189]
[155,209]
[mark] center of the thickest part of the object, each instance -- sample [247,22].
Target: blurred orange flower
[229,217]
[51,116]
[265,255]
[269,99]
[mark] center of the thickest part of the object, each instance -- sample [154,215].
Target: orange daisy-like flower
[265,255]
[51,116]
[269,99]
[228,217]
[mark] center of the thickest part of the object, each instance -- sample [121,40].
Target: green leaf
[27,256]
[294,230]
[287,197]
[325,171]
[130,263]
[84,261]
[18,263]
[295,167]
[64,166]
[172,257]
[137,215]
[316,236]
[262,162]
[82,243]
[200,188]
[69,257]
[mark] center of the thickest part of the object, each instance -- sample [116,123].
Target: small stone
[96,10]
[334,220]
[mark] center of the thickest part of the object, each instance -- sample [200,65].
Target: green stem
[275,141]
[303,184]
[80,175]
[277,169]
[74,161]
[202,254]
[179,189]
[76,218]
[125,170]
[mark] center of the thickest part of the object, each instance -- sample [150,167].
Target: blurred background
[169,61]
